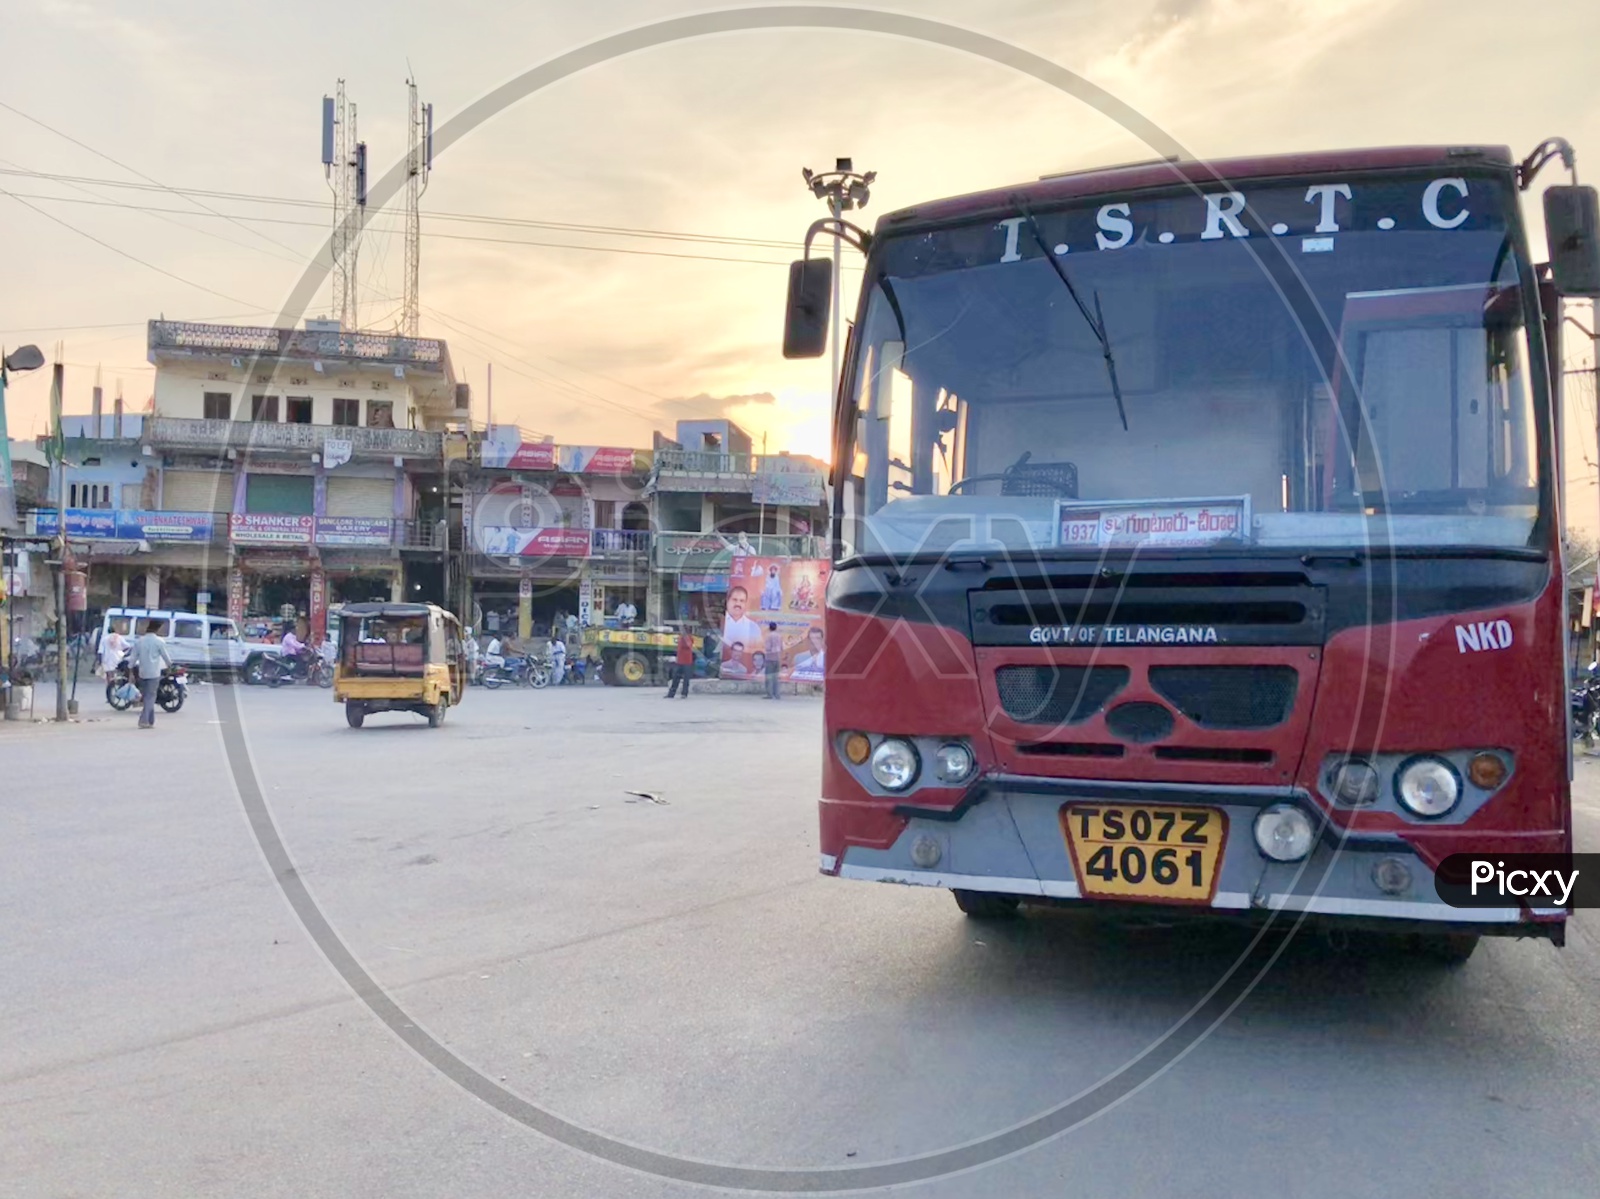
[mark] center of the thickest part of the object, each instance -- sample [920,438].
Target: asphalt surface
[672,971]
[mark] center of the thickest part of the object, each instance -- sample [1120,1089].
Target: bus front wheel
[1450,949]
[986,905]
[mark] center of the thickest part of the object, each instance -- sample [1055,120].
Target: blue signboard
[124,524]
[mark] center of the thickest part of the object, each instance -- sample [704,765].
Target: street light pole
[56,392]
[843,188]
[23,358]
[837,209]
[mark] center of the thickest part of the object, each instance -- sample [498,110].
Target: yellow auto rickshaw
[399,658]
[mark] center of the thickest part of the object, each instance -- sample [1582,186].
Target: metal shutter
[289,495]
[361,497]
[197,491]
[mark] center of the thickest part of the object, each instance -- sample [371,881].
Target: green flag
[56,447]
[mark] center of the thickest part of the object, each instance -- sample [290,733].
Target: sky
[704,138]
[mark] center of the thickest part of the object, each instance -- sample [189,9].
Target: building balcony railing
[613,543]
[769,478]
[215,436]
[426,535]
[703,462]
[195,339]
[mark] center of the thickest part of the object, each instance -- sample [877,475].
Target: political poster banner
[786,592]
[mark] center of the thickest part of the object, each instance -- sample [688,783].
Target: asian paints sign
[509,541]
[568,459]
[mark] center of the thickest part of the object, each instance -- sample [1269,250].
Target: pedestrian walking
[112,646]
[151,657]
[558,659]
[682,665]
[773,648]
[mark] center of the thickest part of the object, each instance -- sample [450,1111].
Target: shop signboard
[125,524]
[702,582]
[586,601]
[783,591]
[354,530]
[318,606]
[1164,524]
[796,486]
[602,460]
[524,455]
[570,459]
[511,541]
[259,528]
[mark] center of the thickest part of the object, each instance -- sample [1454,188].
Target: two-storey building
[555,529]
[712,498]
[314,461]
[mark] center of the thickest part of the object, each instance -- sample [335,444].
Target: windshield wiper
[1096,320]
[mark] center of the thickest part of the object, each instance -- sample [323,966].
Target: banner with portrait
[787,593]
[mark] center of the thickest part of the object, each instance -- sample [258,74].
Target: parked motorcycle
[122,692]
[1585,701]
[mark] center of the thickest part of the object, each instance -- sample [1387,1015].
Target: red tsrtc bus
[1197,540]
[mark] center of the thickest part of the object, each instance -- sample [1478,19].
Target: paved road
[677,975]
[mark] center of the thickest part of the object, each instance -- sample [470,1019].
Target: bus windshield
[1338,362]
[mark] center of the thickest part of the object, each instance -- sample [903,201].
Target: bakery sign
[1152,524]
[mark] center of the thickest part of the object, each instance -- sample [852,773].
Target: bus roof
[1099,181]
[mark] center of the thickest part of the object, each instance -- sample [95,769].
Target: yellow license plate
[1159,854]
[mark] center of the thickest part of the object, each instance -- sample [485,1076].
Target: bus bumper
[1012,843]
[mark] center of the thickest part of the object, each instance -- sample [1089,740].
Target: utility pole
[57,375]
[843,189]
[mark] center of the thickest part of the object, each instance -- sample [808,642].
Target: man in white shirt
[558,658]
[491,653]
[626,614]
[112,646]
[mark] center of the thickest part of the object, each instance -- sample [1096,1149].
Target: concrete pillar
[124,603]
[708,514]
[152,587]
[654,598]
[782,519]
[524,611]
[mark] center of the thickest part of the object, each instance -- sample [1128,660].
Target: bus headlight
[895,764]
[1428,787]
[1354,783]
[1284,833]
[952,762]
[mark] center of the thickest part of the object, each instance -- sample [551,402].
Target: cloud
[710,407]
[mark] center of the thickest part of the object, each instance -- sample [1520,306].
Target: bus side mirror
[1572,227]
[805,325]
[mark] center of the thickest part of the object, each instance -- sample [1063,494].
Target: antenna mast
[344,166]
[419,164]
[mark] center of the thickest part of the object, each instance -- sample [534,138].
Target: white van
[201,643]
